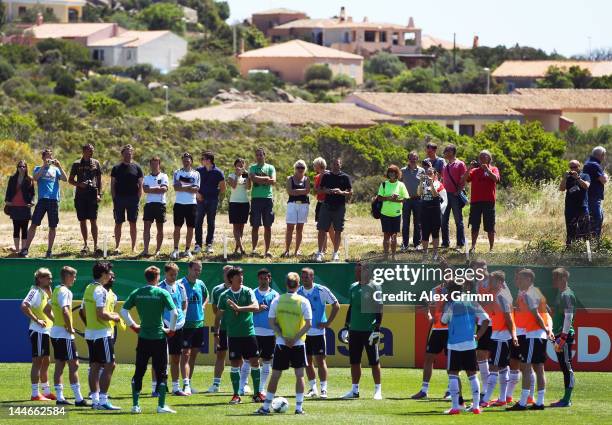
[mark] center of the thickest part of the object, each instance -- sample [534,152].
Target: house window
[347,37]
[21,11]
[73,15]
[98,55]
[409,39]
[395,39]
[370,36]
[49,10]
[129,55]
[382,36]
[353,71]
[467,130]
[354,36]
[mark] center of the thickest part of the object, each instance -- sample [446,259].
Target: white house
[161,49]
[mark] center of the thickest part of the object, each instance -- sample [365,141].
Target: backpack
[376,206]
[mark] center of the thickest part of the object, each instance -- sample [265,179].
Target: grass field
[590,405]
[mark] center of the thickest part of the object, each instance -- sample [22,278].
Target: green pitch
[591,401]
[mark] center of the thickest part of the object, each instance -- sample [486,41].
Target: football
[279,405]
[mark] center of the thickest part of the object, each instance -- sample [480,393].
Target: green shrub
[72,52]
[104,106]
[65,86]
[364,188]
[342,80]
[386,64]
[97,83]
[318,85]
[51,57]
[131,93]
[318,71]
[17,54]
[6,71]
[16,126]
[18,88]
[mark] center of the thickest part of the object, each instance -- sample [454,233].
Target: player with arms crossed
[219,332]
[266,341]
[290,316]
[150,302]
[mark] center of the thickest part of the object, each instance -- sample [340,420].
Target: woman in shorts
[298,188]
[239,201]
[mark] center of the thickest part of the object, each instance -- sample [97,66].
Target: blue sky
[561,25]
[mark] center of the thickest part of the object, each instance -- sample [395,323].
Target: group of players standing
[510,341]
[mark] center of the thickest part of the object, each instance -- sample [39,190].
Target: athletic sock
[299,400]
[265,373]
[491,383]
[186,384]
[245,370]
[483,366]
[503,383]
[175,386]
[453,387]
[540,400]
[533,383]
[59,391]
[323,385]
[163,388]
[76,389]
[475,385]
[256,377]
[95,397]
[35,390]
[153,386]
[235,377]
[217,382]
[45,388]
[355,388]
[425,387]
[515,377]
[313,384]
[524,397]
[135,395]
[268,401]
[103,398]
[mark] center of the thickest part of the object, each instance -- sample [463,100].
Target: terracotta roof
[435,104]
[562,99]
[130,39]
[538,69]
[428,41]
[336,23]
[66,30]
[298,49]
[333,114]
[278,11]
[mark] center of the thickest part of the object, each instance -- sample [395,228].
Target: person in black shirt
[86,176]
[337,188]
[126,190]
[576,184]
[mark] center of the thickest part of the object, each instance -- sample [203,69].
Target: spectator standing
[484,178]
[48,176]
[186,182]
[431,212]
[155,185]
[575,184]
[298,188]
[392,193]
[263,177]
[451,176]
[320,167]
[86,176]
[594,167]
[411,177]
[436,162]
[212,189]
[338,189]
[239,202]
[19,198]
[126,191]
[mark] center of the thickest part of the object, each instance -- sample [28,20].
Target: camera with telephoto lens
[474,164]
[245,175]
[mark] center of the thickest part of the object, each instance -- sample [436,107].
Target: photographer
[429,191]
[86,176]
[392,193]
[47,176]
[451,176]
[19,200]
[576,184]
[484,178]
[239,202]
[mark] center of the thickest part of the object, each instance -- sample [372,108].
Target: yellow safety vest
[93,322]
[289,315]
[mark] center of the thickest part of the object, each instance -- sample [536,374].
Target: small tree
[65,86]
[163,16]
[318,71]
[6,71]
[131,93]
[555,78]
[384,63]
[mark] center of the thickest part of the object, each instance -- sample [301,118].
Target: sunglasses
[432,148]
[21,166]
[300,168]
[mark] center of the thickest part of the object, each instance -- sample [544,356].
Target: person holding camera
[575,184]
[484,178]
[47,176]
[86,176]
[431,210]
[18,202]
[451,176]
[392,193]
[595,167]
[239,202]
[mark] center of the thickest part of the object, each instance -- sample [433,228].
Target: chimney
[342,14]
[475,42]
[349,19]
[365,19]
[241,45]
[410,22]
[39,19]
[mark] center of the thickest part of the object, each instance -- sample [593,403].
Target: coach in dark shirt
[593,167]
[576,185]
[212,189]
[337,188]
[126,190]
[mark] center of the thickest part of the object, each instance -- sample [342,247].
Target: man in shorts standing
[266,341]
[155,185]
[263,178]
[219,332]
[186,182]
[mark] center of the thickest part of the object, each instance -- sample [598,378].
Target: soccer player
[364,333]
[318,296]
[563,328]
[100,321]
[62,338]
[437,339]
[290,316]
[33,306]
[532,316]
[155,185]
[266,341]
[175,342]
[502,337]
[460,316]
[219,332]
[193,334]
[481,286]
[236,306]
[151,302]
[186,183]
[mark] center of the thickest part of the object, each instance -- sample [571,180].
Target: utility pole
[454,52]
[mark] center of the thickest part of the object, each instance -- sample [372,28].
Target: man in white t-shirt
[155,185]
[62,338]
[186,182]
